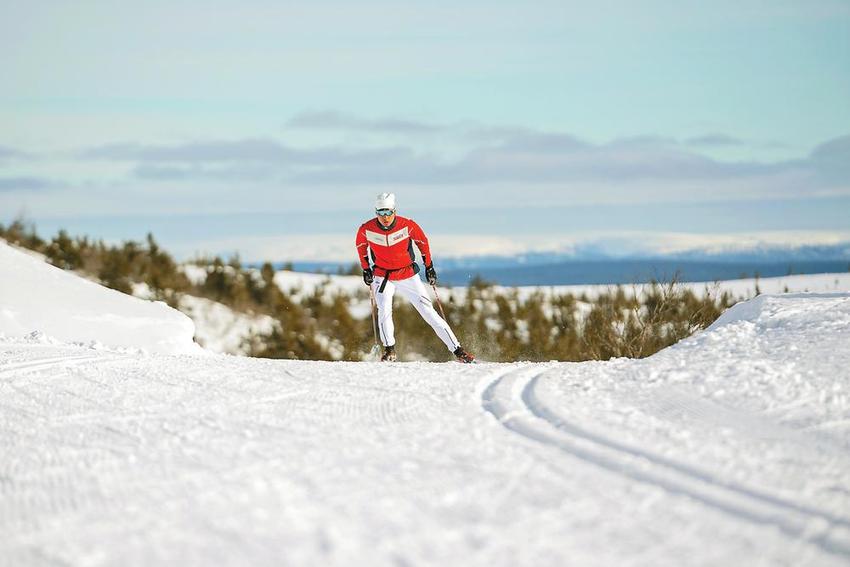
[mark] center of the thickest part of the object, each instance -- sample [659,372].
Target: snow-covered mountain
[730,448]
[754,251]
[300,284]
[637,259]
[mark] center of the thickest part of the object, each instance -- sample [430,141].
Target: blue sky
[117,117]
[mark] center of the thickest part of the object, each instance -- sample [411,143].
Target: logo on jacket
[389,239]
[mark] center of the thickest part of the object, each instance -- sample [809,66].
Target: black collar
[386,228]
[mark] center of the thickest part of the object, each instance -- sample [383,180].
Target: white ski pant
[414,291]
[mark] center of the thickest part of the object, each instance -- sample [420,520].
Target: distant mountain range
[627,271]
[590,253]
[589,266]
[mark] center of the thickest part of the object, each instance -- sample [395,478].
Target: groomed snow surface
[730,448]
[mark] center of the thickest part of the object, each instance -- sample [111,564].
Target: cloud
[24,184]
[714,141]
[542,142]
[526,155]
[239,172]
[835,150]
[328,120]
[242,151]
[516,156]
[545,141]
[533,157]
[493,162]
[468,130]
[831,160]
[7,153]
[487,134]
[199,152]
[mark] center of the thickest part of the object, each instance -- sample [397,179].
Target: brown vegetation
[496,324]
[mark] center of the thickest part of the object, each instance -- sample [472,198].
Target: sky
[267,127]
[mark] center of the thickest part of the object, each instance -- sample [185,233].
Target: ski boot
[463,356]
[389,354]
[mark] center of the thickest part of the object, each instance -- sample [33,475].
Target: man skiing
[388,241]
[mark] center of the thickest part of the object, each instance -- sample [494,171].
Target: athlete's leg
[385,310]
[414,291]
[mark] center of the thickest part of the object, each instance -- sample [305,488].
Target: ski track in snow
[730,448]
[511,398]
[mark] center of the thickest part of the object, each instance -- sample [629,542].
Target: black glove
[368,277]
[431,274]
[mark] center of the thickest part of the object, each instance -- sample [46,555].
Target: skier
[389,240]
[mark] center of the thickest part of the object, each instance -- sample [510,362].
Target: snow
[302,284]
[218,328]
[197,275]
[731,447]
[37,297]
[221,329]
[299,285]
[741,288]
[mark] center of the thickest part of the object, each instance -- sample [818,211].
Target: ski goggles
[385,212]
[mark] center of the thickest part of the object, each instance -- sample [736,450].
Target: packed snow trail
[732,447]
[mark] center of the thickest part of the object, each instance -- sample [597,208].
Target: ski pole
[439,303]
[375,348]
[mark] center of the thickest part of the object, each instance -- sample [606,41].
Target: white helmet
[385,201]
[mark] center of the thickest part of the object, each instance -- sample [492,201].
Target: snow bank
[786,355]
[788,309]
[38,297]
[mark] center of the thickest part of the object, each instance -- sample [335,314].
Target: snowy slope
[731,448]
[37,297]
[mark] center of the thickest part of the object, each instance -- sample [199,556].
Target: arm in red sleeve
[362,248]
[418,236]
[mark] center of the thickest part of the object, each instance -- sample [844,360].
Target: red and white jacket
[392,248]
